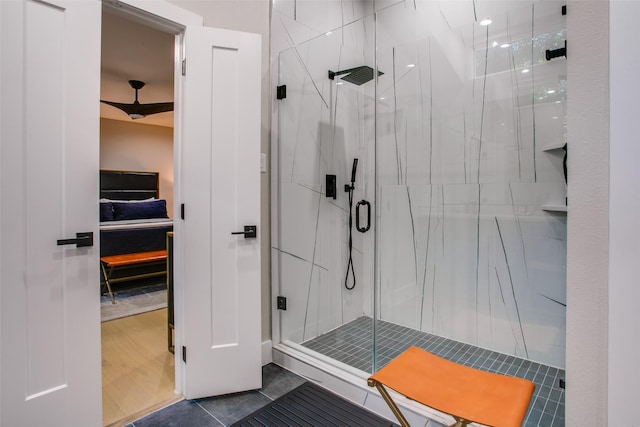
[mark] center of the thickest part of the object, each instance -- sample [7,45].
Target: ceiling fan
[137,110]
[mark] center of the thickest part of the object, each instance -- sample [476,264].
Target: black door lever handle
[81,240]
[250,231]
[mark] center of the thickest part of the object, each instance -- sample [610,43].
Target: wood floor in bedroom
[138,372]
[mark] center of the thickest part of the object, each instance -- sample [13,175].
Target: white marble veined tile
[323,305]
[287,33]
[331,237]
[285,7]
[326,16]
[494,265]
[296,278]
[384,4]
[301,20]
[299,218]
[400,280]
[357,301]
[318,116]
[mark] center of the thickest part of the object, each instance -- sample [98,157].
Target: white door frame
[170,18]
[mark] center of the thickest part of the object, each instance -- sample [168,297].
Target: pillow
[106,211]
[140,210]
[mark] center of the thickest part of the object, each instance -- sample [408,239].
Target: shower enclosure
[449,231]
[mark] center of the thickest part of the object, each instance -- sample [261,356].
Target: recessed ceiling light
[494,44]
[558,102]
[550,91]
[554,117]
[503,45]
[328,33]
[339,83]
[486,22]
[411,65]
[525,71]
[382,98]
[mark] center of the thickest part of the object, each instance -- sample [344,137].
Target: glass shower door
[471,123]
[471,128]
[326,165]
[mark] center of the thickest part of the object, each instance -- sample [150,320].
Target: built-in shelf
[552,147]
[554,208]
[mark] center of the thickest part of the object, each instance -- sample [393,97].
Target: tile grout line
[209,413]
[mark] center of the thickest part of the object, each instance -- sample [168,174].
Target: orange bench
[467,394]
[109,263]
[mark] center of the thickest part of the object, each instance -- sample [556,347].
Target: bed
[133,219]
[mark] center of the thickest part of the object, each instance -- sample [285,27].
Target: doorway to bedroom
[138,372]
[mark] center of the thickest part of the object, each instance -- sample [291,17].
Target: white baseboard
[267,355]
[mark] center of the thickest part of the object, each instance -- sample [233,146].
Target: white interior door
[220,188]
[49,152]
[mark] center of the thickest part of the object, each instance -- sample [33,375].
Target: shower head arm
[333,74]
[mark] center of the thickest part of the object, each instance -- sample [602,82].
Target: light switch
[263,163]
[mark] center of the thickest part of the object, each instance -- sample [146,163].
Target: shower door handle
[368,205]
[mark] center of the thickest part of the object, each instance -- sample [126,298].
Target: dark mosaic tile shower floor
[351,344]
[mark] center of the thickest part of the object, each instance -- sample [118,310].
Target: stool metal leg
[392,405]
[106,281]
[460,422]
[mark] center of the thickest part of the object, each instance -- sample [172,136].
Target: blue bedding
[130,226]
[131,240]
[116,210]
[140,210]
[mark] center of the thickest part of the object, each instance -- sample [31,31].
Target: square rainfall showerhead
[357,76]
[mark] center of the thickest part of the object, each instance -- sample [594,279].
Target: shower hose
[350,262]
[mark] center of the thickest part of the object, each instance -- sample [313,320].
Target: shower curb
[351,384]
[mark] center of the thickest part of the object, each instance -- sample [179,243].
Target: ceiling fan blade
[127,108]
[142,109]
[137,110]
[159,107]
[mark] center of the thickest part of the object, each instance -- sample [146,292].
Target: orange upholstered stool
[467,394]
[114,261]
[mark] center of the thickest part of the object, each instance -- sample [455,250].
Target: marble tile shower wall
[458,125]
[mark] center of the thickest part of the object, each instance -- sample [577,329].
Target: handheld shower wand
[349,189]
[354,168]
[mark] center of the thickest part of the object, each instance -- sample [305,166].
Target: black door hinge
[184,67]
[184,354]
[182,211]
[556,53]
[282,303]
[281,92]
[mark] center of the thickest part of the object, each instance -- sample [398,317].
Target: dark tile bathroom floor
[352,344]
[224,410]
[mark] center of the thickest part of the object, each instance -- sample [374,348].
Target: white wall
[588,216]
[624,205]
[138,147]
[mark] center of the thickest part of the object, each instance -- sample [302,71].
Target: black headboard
[128,185]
